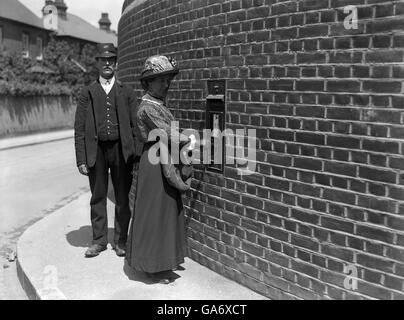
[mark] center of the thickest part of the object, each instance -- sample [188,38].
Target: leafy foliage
[57,73]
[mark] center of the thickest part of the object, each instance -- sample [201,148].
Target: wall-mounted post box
[215,122]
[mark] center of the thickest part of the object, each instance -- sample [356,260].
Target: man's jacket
[87,122]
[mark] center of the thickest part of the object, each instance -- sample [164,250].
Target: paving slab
[52,266]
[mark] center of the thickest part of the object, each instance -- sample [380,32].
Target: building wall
[12,36]
[75,42]
[327,104]
[22,115]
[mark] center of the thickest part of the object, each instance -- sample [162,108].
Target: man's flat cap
[106,50]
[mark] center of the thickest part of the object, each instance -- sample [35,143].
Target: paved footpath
[52,266]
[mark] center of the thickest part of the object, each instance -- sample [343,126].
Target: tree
[64,69]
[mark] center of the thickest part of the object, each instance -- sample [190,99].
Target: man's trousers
[110,157]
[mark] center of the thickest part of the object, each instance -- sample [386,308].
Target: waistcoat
[108,129]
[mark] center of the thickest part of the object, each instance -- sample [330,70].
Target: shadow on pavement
[139,276]
[134,275]
[83,237]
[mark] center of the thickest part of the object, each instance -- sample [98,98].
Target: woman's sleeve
[155,119]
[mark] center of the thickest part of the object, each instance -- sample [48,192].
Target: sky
[89,10]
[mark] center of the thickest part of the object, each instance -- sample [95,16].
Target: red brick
[252,249]
[396,223]
[382,86]
[344,142]
[284,85]
[310,138]
[276,258]
[236,38]
[305,216]
[380,146]
[276,233]
[343,86]
[339,196]
[256,84]
[284,58]
[376,26]
[302,292]
[377,174]
[374,291]
[304,242]
[258,12]
[309,85]
[398,41]
[380,56]
[343,3]
[361,41]
[307,163]
[337,224]
[258,36]
[374,233]
[311,58]
[281,8]
[305,268]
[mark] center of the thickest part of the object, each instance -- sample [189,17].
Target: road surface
[34,181]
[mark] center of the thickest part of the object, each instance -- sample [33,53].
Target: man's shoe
[120,250]
[95,250]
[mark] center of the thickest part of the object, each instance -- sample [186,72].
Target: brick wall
[327,106]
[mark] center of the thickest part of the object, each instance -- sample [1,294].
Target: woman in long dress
[157,233]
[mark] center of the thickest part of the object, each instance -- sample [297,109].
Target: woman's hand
[83,170]
[192,142]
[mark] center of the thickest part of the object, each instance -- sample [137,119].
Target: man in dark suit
[104,141]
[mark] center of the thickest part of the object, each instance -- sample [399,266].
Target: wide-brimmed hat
[156,66]
[106,50]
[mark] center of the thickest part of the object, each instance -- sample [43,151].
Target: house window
[1,38]
[39,43]
[25,45]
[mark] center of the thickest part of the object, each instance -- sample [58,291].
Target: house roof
[73,26]
[77,27]
[16,11]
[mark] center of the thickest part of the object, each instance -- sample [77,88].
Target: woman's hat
[156,66]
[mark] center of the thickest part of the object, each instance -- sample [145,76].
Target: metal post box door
[215,122]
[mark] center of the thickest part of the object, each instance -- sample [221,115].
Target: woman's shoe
[179,268]
[159,277]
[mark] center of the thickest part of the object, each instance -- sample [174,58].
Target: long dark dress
[157,232]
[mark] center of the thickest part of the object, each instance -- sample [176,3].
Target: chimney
[62,8]
[47,3]
[104,22]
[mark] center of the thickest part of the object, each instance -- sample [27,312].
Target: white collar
[149,98]
[106,82]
